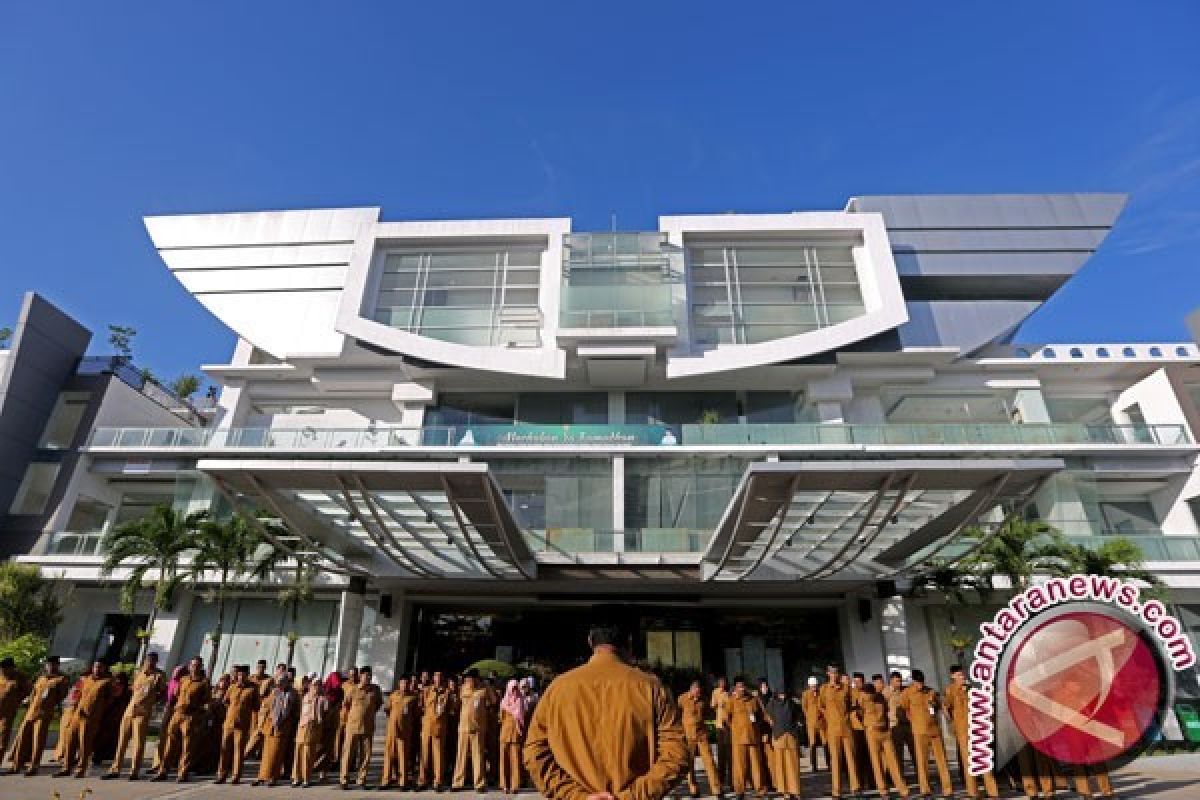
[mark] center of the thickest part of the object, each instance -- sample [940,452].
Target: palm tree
[156,542]
[299,593]
[1118,557]
[1019,549]
[234,550]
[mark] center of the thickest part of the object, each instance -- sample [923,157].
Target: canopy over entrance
[859,520]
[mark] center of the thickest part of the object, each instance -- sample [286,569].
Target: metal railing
[522,435]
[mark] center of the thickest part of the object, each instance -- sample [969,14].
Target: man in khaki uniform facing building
[149,685]
[241,710]
[606,730]
[472,730]
[923,705]
[958,704]
[95,693]
[880,749]
[695,733]
[277,716]
[182,735]
[362,702]
[745,739]
[264,684]
[810,704]
[717,703]
[839,736]
[435,727]
[47,695]
[403,710]
[13,689]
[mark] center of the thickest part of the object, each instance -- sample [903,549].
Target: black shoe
[133,776]
[108,776]
[62,773]
[161,776]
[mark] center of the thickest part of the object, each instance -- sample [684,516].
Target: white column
[350,618]
[618,503]
[862,643]
[170,629]
[387,638]
[1031,405]
[894,621]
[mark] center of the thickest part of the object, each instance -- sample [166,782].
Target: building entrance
[680,643]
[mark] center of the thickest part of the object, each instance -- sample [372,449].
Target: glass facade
[619,280]
[484,296]
[748,292]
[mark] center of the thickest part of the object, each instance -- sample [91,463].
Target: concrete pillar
[862,644]
[618,503]
[350,618]
[894,621]
[387,639]
[170,629]
[1030,405]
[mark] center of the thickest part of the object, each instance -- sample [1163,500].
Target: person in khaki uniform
[435,727]
[717,702]
[783,713]
[858,684]
[606,729]
[958,703]
[513,711]
[403,709]
[95,693]
[695,733]
[810,704]
[902,739]
[880,749]
[745,739]
[923,705]
[472,728]
[241,710]
[835,722]
[182,735]
[149,685]
[48,692]
[264,684]
[313,707]
[362,703]
[278,718]
[13,689]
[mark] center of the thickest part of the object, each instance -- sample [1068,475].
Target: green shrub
[487,666]
[28,651]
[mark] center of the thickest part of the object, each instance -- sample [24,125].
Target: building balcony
[749,437]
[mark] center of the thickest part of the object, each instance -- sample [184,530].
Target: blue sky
[440,110]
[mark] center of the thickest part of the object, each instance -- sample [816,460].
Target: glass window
[679,493]
[64,421]
[559,495]
[34,492]
[135,505]
[613,280]
[680,408]
[772,407]
[88,516]
[483,408]
[563,408]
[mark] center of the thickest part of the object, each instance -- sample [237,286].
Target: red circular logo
[1083,688]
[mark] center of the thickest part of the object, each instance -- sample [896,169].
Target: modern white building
[760,428]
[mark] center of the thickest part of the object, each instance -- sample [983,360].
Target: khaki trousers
[747,763]
[433,771]
[68,716]
[233,753]
[133,728]
[470,748]
[6,728]
[356,756]
[1083,786]
[181,743]
[815,739]
[1037,775]
[961,740]
[302,762]
[698,746]
[841,749]
[882,752]
[787,764]
[510,766]
[925,743]
[768,757]
[397,755]
[80,740]
[274,754]
[30,744]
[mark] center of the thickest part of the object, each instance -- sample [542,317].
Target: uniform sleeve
[551,780]
[671,755]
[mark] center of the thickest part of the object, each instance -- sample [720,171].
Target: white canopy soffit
[859,520]
[422,520]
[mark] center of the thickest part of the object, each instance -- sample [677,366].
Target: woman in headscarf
[512,736]
[309,732]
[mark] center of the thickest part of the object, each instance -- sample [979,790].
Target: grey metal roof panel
[1075,210]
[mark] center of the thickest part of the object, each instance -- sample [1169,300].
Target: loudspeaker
[385,605]
[886,589]
[864,609]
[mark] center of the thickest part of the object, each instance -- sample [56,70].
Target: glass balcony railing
[1154,546]
[593,540]
[523,435]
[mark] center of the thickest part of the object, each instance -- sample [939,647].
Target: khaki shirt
[692,711]
[717,704]
[403,710]
[94,697]
[473,718]
[835,709]
[193,696]
[896,716]
[362,704]
[13,690]
[810,703]
[605,727]
[874,708]
[510,732]
[240,704]
[856,720]
[746,718]
[958,707]
[147,688]
[921,706]
[435,711]
[47,694]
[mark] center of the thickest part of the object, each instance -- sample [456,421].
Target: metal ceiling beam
[519,563]
[783,512]
[462,526]
[366,526]
[431,513]
[747,493]
[833,564]
[985,502]
[436,548]
[1020,507]
[408,557]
